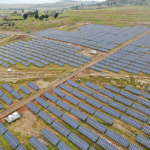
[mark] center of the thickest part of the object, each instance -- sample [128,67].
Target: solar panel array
[99,37]
[42,102]
[32,107]
[25,90]
[58,92]
[33,86]
[40,52]
[134,147]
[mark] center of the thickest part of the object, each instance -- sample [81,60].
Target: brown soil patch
[42,84]
[74,117]
[25,108]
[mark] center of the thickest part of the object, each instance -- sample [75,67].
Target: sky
[32,1]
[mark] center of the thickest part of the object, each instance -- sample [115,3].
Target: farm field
[78,99]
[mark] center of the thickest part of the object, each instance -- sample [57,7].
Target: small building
[13,117]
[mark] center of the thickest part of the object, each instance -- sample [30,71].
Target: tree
[22,10]
[36,12]
[13,24]
[56,15]
[36,16]
[41,17]
[15,12]
[25,16]
[46,16]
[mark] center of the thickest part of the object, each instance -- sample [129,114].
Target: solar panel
[58,92]
[86,108]
[16,94]
[146,129]
[32,107]
[71,100]
[143,140]
[20,147]
[107,93]
[116,137]
[60,128]
[96,68]
[134,147]
[78,141]
[146,95]
[72,83]
[65,87]
[25,90]
[100,97]
[104,117]
[79,95]
[42,102]
[45,117]
[112,88]
[1,106]
[78,114]
[106,145]
[91,85]
[128,95]
[117,106]
[63,105]
[131,121]
[137,115]
[144,102]
[50,97]
[33,86]
[55,111]
[7,87]
[11,139]
[93,102]
[37,144]
[50,137]
[123,100]
[133,90]
[2,129]
[6,99]
[63,146]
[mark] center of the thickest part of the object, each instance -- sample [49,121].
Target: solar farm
[101,103]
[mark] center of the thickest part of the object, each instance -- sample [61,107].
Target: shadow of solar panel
[96,68]
[128,95]
[72,83]
[100,97]
[50,97]
[45,117]
[63,105]
[70,121]
[42,102]
[117,106]
[65,87]
[78,114]
[1,93]
[7,87]
[131,121]
[143,140]
[88,133]
[78,141]
[38,64]
[107,93]
[37,144]
[111,111]
[60,128]
[134,147]
[96,125]
[141,108]
[58,92]
[55,111]
[32,107]
[20,147]
[50,137]
[63,146]
[137,115]
[116,137]
[133,90]
[106,145]
[16,94]
[86,90]
[112,88]
[33,86]
[79,95]
[6,99]
[104,117]
[11,139]
[25,90]
[71,100]
[2,129]
[123,100]
[86,108]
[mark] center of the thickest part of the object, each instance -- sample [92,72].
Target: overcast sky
[32,1]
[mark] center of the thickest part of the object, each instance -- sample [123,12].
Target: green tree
[56,15]
[36,16]
[13,24]
[25,16]
[41,17]
[46,16]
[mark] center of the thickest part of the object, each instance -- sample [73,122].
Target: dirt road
[25,101]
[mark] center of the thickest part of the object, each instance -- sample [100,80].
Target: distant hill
[131,2]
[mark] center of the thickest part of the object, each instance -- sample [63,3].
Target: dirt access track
[40,93]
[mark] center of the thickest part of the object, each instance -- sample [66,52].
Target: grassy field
[116,16]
